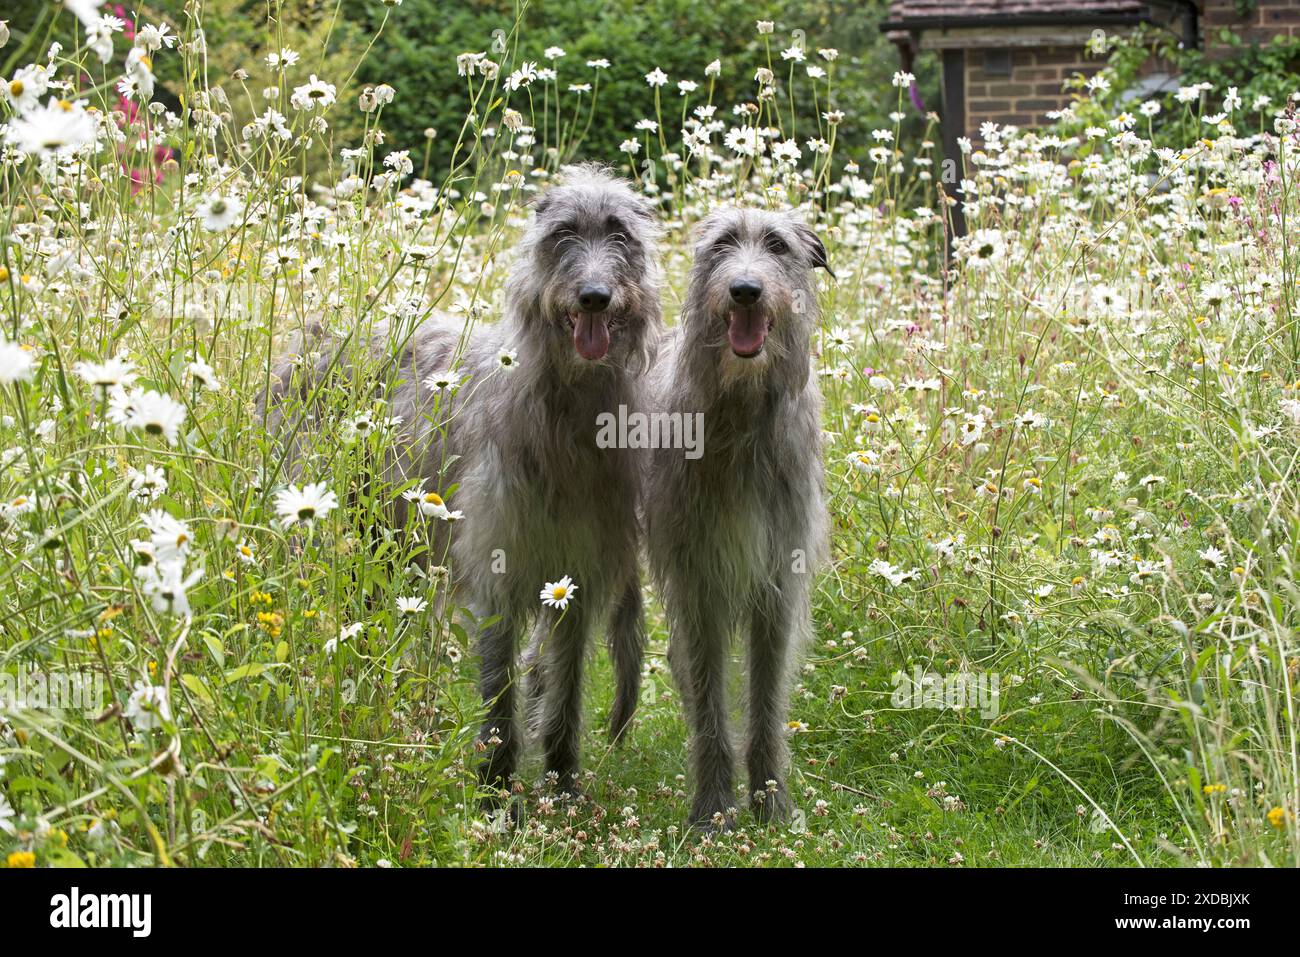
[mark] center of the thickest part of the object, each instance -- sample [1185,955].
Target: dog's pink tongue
[591,335]
[747,329]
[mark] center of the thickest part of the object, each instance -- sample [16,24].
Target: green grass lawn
[870,780]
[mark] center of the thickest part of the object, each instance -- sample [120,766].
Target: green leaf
[198,688]
[62,857]
[251,670]
[216,648]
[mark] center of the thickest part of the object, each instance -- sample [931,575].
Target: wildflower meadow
[1058,623]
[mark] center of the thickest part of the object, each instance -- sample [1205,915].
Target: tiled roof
[920,13]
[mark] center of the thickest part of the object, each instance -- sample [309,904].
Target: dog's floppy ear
[815,247]
[644,207]
[540,204]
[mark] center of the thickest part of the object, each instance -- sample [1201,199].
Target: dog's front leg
[698,655]
[500,736]
[564,652]
[775,615]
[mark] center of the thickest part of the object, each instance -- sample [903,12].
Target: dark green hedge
[417,50]
[422,38]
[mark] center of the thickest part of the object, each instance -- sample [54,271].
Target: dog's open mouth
[590,334]
[747,330]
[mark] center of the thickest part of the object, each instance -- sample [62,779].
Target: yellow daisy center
[432,498]
[558,592]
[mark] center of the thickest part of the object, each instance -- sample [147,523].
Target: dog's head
[586,278]
[752,302]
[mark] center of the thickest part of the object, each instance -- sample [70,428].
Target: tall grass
[1066,456]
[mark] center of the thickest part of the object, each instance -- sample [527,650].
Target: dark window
[997,62]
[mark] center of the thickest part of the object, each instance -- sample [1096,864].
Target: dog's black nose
[745,292]
[594,298]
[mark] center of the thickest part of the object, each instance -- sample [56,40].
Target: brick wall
[1019,82]
[1031,88]
[1263,20]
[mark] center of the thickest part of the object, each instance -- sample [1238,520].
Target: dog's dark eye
[777,246]
[725,241]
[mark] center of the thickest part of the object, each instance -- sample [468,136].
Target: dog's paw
[566,788]
[706,823]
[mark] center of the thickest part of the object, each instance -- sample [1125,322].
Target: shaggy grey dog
[518,445]
[735,536]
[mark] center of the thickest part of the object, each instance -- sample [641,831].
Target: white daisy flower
[443,381]
[148,485]
[558,594]
[430,504]
[25,89]
[412,605]
[104,376]
[219,212]
[151,412]
[169,538]
[87,11]
[346,633]
[17,364]
[166,586]
[203,374]
[305,504]
[314,94]
[148,708]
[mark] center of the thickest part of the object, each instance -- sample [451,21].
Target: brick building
[1006,61]
[1255,21]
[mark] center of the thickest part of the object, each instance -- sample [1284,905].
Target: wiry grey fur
[734,537]
[520,447]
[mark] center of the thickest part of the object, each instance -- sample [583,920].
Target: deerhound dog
[734,536]
[540,499]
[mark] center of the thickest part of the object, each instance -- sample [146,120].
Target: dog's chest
[558,498]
